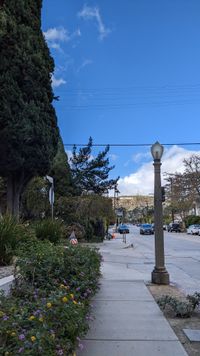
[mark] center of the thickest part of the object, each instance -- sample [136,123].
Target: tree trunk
[14,189]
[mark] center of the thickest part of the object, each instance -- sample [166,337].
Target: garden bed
[49,307]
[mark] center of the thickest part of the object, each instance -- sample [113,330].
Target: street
[182,257]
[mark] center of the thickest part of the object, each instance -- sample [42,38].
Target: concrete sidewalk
[127,321]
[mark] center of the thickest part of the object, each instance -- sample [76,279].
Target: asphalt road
[182,257]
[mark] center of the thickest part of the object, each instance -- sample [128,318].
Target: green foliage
[35,200]
[91,174]
[182,309]
[28,123]
[192,219]
[194,299]
[2,196]
[49,229]
[49,306]
[92,211]
[9,235]
[61,173]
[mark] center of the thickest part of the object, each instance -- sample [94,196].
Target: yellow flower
[64,299]
[7,353]
[41,319]
[31,317]
[1,313]
[33,338]
[53,336]
[13,333]
[49,305]
[75,302]
[74,354]
[72,296]
[62,286]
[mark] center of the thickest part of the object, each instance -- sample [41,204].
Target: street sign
[50,179]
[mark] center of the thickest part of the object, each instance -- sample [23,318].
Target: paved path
[127,321]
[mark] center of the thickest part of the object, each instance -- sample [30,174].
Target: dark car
[123,229]
[174,227]
[146,229]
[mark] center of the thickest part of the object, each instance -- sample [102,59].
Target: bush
[10,233]
[49,229]
[48,309]
[192,219]
[182,309]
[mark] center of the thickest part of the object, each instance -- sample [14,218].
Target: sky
[127,72]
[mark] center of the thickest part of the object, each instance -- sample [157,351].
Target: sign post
[51,193]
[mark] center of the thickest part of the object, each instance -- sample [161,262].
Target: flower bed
[48,309]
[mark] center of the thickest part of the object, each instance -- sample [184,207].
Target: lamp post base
[160,276]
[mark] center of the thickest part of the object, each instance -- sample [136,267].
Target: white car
[193,229]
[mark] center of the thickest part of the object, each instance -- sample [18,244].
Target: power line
[132,144]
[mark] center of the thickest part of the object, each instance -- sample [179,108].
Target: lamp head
[157,150]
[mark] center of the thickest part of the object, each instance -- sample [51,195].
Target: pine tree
[91,174]
[28,124]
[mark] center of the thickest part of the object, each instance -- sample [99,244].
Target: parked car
[146,229]
[193,229]
[123,229]
[174,227]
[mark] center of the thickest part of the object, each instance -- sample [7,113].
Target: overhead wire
[132,144]
[129,97]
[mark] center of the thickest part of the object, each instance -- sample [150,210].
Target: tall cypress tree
[28,124]
[61,172]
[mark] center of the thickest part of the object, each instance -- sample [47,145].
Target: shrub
[48,309]
[10,233]
[49,229]
[194,299]
[192,219]
[182,309]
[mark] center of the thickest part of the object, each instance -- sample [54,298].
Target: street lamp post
[159,274]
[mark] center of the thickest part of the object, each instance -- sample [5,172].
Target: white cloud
[85,63]
[113,157]
[142,181]
[139,156]
[69,155]
[90,13]
[56,35]
[57,82]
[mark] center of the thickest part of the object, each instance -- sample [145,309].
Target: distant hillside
[131,202]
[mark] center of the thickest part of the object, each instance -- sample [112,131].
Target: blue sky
[127,72]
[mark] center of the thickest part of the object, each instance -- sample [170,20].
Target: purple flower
[78,288]
[60,352]
[5,317]
[21,350]
[21,337]
[38,311]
